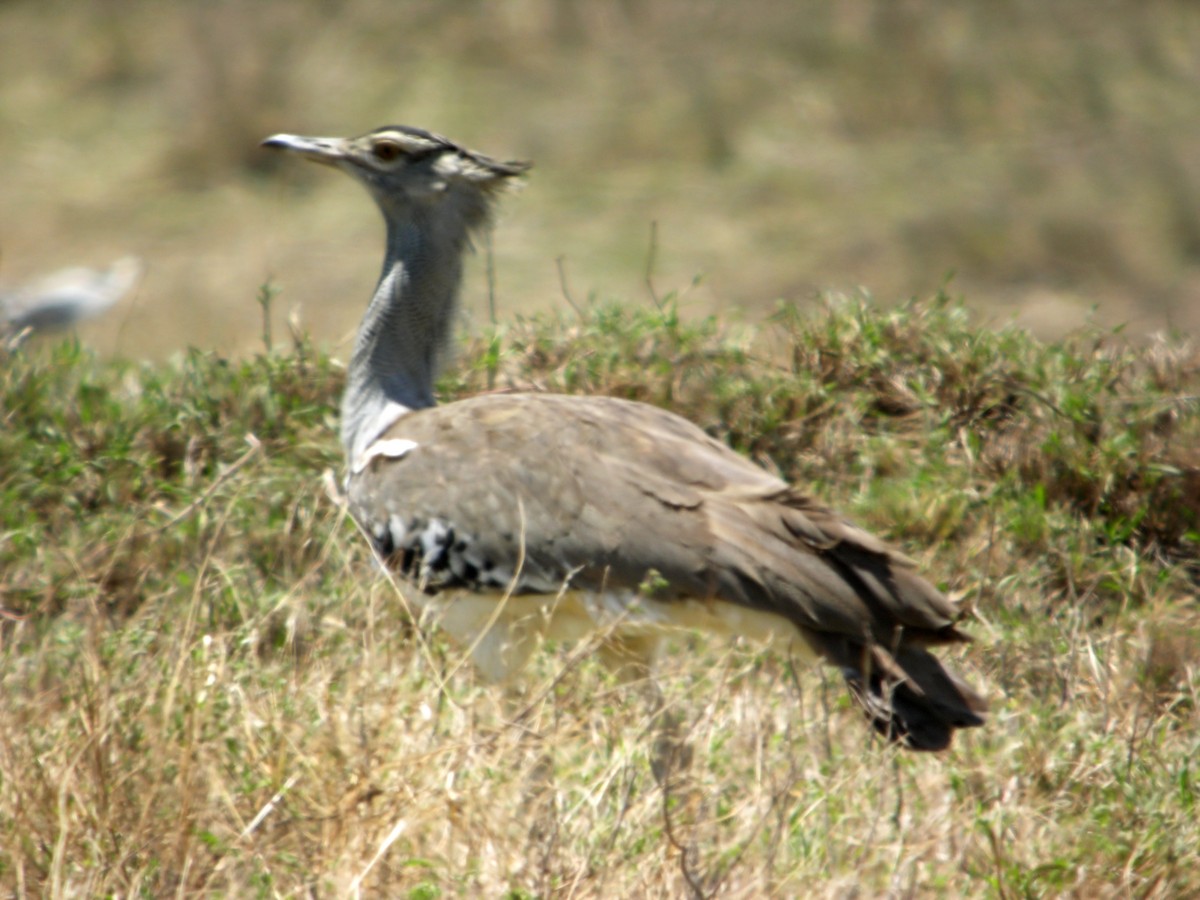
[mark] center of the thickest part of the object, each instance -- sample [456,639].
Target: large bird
[528,515]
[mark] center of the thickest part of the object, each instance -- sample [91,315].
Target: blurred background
[1041,158]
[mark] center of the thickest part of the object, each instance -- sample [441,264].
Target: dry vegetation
[207,688]
[1046,153]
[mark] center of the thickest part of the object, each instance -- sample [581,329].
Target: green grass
[207,687]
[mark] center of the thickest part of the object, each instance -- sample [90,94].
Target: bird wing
[531,492]
[603,492]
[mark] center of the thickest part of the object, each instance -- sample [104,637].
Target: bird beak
[319,149]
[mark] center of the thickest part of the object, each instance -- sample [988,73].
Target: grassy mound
[207,686]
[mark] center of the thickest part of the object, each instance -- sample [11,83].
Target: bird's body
[63,298]
[526,515]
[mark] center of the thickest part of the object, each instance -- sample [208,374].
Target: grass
[207,688]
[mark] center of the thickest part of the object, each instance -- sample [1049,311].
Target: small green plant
[267,292]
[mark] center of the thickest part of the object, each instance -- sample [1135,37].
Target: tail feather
[894,615]
[909,697]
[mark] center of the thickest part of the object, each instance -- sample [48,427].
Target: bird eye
[387,151]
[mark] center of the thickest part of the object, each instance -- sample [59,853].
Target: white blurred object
[62,298]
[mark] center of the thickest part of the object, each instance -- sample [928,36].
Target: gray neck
[405,332]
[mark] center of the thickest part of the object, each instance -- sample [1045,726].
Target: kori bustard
[594,513]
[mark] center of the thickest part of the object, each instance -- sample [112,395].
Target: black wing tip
[910,720]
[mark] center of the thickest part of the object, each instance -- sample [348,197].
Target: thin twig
[696,889]
[562,283]
[584,650]
[491,275]
[651,261]
[266,293]
[776,798]
[499,610]
[413,615]
[255,447]
[398,829]
[269,807]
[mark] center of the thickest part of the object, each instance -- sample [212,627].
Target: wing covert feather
[602,492]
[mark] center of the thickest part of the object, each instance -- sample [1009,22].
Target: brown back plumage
[600,492]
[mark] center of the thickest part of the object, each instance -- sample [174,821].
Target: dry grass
[208,689]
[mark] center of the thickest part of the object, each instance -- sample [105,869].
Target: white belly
[500,634]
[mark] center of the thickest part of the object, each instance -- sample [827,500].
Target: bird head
[409,169]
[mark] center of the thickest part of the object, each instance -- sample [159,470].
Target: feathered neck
[406,331]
